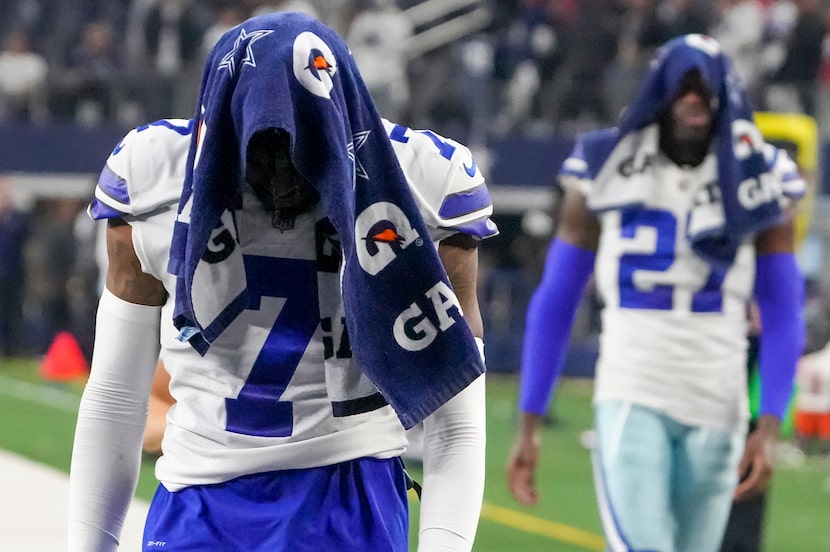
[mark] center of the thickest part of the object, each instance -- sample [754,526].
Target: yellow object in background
[798,134]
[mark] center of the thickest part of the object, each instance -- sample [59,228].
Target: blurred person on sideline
[682,213]
[50,255]
[14,231]
[812,402]
[23,75]
[279,435]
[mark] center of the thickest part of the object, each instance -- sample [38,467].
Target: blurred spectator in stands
[477,90]
[740,31]
[22,79]
[434,79]
[626,71]
[228,15]
[823,89]
[450,68]
[262,7]
[673,18]
[592,46]
[85,88]
[780,16]
[50,259]
[14,228]
[338,15]
[167,55]
[792,86]
[378,37]
[528,58]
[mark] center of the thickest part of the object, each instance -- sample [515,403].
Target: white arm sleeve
[453,490]
[106,455]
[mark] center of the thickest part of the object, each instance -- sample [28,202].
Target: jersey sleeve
[785,169]
[585,160]
[144,172]
[448,186]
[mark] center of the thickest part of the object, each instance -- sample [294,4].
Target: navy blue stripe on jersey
[466,202]
[479,229]
[341,409]
[166,123]
[113,186]
[100,211]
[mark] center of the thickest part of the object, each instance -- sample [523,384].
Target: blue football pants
[357,505]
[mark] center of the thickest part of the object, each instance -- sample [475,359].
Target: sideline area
[35,516]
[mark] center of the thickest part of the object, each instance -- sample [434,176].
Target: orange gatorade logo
[320,63]
[314,64]
[382,232]
[388,235]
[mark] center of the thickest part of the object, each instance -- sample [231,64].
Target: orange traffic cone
[64,361]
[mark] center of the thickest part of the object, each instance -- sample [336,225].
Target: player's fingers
[524,492]
[520,481]
[745,464]
[751,484]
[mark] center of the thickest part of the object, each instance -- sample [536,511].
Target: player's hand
[521,465]
[755,469]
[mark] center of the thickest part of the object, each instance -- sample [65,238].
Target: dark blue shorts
[359,505]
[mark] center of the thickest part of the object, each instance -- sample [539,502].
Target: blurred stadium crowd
[469,67]
[479,71]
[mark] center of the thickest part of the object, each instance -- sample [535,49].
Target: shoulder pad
[145,171]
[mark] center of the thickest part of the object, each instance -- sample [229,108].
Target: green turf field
[38,422]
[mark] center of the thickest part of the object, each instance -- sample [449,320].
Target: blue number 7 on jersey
[257,409]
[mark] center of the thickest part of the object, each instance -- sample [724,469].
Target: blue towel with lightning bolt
[288,71]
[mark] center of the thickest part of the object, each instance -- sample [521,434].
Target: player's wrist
[769,424]
[530,426]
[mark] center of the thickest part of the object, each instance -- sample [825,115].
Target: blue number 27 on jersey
[661,297]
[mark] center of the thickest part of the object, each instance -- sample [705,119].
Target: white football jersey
[673,328]
[241,408]
[444,178]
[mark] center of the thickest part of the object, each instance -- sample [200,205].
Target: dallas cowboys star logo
[228,60]
[358,141]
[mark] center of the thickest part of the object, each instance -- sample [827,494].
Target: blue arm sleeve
[779,291]
[550,314]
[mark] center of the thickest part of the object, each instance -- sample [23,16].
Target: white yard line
[44,395]
[34,512]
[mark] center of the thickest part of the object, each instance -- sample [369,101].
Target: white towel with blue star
[288,71]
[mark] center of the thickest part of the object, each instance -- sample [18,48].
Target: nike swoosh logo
[471,171]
